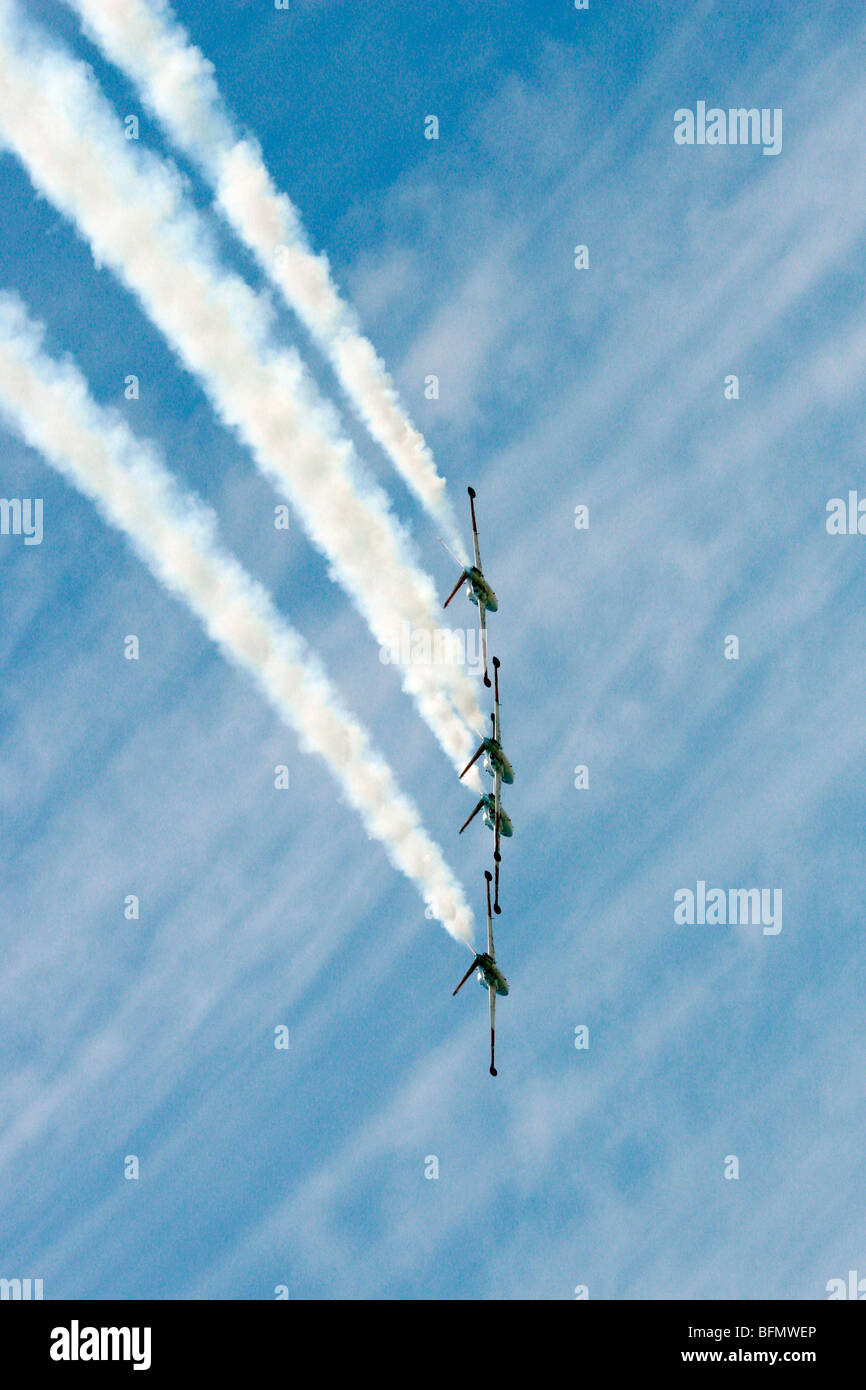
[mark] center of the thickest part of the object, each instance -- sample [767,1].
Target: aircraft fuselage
[490,975]
[478,591]
[488,815]
[496,761]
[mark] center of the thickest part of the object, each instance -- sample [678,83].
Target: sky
[596,1171]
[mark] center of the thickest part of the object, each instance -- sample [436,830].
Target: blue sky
[604,1167]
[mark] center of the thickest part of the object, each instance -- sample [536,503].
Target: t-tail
[472,967]
[472,817]
[474,759]
[454,590]
[463,574]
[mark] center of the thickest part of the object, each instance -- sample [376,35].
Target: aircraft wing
[492,992]
[497,824]
[482,618]
[475,531]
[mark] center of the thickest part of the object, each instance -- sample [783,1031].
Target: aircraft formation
[499,769]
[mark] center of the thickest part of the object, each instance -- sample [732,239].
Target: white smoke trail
[145,40]
[130,206]
[49,404]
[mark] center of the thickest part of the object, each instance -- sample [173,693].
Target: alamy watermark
[846,517]
[412,646]
[22,516]
[22,1289]
[738,125]
[746,907]
[853,1287]
[77,1343]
